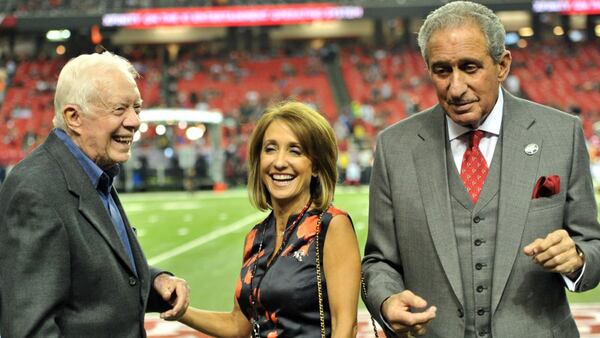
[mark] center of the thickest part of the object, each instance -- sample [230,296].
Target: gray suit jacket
[63,269]
[412,244]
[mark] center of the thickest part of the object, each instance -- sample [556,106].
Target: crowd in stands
[67,7]
[384,86]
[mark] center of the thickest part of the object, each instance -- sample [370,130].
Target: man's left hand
[556,253]
[176,292]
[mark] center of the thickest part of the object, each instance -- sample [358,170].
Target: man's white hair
[79,80]
[459,13]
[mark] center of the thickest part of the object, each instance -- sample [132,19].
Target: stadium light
[170,115]
[194,133]
[511,38]
[60,50]
[526,32]
[576,35]
[143,127]
[558,31]
[58,35]
[597,30]
[161,129]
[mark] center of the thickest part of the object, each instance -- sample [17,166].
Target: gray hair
[454,14]
[79,80]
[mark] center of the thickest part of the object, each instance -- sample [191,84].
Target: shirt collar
[490,125]
[101,180]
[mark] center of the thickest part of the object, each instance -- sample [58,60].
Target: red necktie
[474,169]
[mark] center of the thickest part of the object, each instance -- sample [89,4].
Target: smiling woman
[306,134]
[281,290]
[285,169]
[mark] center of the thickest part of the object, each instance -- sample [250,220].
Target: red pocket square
[546,186]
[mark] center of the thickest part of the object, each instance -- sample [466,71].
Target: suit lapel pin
[531,149]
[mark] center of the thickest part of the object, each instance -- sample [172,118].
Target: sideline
[244,222]
[587,317]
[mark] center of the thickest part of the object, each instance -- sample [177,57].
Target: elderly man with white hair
[70,263]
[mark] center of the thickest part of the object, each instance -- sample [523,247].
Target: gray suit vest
[475,228]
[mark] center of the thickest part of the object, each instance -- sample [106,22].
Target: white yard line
[211,195]
[183,196]
[247,221]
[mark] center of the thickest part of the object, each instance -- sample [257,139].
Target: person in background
[482,210]
[2,174]
[301,266]
[70,263]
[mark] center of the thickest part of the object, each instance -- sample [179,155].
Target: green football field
[199,237]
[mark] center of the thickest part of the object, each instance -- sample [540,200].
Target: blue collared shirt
[102,181]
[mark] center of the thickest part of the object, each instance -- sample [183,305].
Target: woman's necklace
[254,291]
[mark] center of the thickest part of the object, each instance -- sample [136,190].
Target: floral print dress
[286,296]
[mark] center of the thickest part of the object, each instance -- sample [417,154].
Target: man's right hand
[406,313]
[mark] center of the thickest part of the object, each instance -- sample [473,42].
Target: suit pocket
[543,220]
[542,203]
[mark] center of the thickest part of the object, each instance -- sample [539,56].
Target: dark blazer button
[478,266]
[132,281]
[460,313]
[480,289]
[476,219]
[478,242]
[481,312]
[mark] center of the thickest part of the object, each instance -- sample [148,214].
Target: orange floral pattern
[248,244]
[285,287]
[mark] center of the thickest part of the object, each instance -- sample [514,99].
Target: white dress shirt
[459,137]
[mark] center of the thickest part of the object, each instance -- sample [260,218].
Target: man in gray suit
[482,210]
[70,264]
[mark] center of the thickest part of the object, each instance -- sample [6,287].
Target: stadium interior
[361,69]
